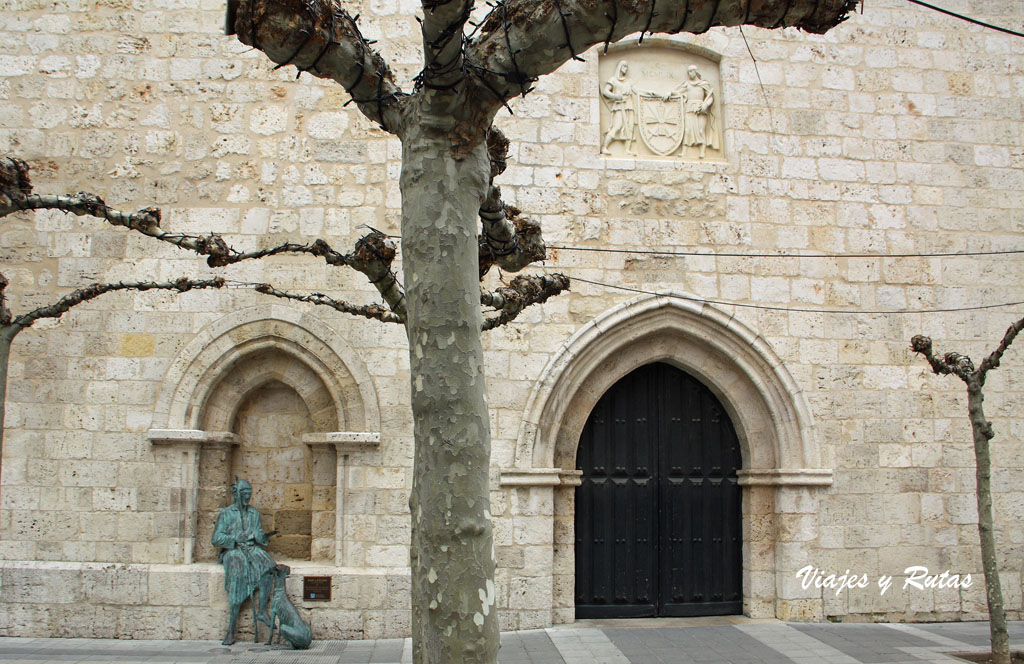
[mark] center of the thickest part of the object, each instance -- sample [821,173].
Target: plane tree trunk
[7,333]
[452,557]
[446,184]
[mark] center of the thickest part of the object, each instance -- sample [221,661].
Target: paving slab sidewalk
[730,640]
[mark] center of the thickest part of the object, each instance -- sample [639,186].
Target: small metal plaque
[316,588]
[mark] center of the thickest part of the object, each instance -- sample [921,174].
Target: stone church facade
[808,199]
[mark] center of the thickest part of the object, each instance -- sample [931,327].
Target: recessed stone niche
[280,466]
[659,101]
[271,400]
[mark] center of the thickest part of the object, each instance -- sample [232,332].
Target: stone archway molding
[781,465]
[197,369]
[192,410]
[771,414]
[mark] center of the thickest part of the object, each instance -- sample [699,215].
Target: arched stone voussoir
[189,387]
[772,418]
[269,362]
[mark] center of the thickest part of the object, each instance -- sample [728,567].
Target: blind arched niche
[270,398]
[271,366]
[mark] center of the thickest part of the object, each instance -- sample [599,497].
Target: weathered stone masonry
[900,132]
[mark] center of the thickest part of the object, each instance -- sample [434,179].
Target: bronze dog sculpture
[285,616]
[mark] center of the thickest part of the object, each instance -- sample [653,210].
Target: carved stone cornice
[786,477]
[192,437]
[344,442]
[540,477]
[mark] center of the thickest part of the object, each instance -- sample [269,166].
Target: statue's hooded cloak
[239,533]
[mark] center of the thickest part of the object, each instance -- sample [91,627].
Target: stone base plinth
[113,600]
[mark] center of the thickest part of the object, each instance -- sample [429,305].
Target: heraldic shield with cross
[660,101]
[661,123]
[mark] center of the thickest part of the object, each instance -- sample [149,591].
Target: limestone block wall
[132,601]
[897,133]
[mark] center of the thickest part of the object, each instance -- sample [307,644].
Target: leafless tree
[16,194]
[963,368]
[451,154]
[372,256]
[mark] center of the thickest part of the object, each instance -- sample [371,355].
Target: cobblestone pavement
[654,641]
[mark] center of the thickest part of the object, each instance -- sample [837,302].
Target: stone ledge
[540,477]
[786,477]
[194,436]
[167,601]
[530,477]
[571,477]
[344,442]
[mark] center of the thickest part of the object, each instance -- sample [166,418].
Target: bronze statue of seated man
[247,567]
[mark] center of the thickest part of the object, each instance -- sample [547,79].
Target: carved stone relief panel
[659,102]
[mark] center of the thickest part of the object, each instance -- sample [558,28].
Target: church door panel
[619,505]
[701,563]
[658,512]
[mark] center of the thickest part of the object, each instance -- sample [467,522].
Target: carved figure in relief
[700,119]
[620,96]
[247,567]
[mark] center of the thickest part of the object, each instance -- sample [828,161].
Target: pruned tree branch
[146,220]
[963,368]
[442,28]
[521,40]
[983,432]
[373,254]
[75,297]
[992,361]
[320,37]
[950,363]
[13,178]
[373,311]
[10,328]
[497,151]
[522,292]
[508,240]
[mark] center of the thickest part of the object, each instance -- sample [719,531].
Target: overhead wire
[232,283]
[968,18]
[736,254]
[757,70]
[741,254]
[806,310]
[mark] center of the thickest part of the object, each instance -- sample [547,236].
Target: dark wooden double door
[658,511]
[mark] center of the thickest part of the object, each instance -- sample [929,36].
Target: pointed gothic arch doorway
[781,476]
[658,509]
